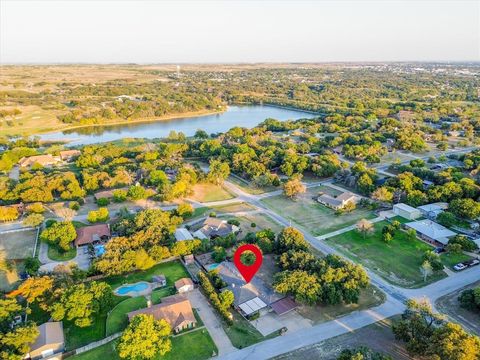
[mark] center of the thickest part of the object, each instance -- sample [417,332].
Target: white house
[431,231]
[431,211]
[338,202]
[406,211]
[184,285]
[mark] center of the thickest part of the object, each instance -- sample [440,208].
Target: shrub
[253,225]
[74,205]
[234,222]
[103,202]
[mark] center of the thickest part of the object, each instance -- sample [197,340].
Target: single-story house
[406,211]
[184,285]
[214,227]
[182,234]
[431,231]
[50,343]
[251,297]
[68,155]
[337,202]
[176,310]
[431,211]
[43,160]
[92,234]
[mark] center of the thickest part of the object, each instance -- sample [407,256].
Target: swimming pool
[99,250]
[212,266]
[135,288]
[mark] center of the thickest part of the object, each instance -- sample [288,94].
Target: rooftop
[432,230]
[89,234]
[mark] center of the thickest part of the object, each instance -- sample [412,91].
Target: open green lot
[248,187]
[306,212]
[19,244]
[205,192]
[194,345]
[398,261]
[451,259]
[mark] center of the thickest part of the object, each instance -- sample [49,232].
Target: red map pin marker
[248,271]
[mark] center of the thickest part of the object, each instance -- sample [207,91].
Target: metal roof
[253,305]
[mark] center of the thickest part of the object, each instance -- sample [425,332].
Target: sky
[124,31]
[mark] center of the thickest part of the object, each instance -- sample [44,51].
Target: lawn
[54,253]
[19,244]
[370,297]
[173,270]
[194,345]
[243,334]
[451,259]
[117,318]
[235,207]
[399,261]
[205,192]
[261,221]
[248,187]
[311,215]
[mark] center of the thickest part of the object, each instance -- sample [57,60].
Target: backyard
[306,212]
[398,261]
[193,345]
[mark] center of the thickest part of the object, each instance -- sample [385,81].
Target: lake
[245,116]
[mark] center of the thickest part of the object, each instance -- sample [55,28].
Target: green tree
[60,234]
[305,288]
[33,220]
[291,239]
[145,338]
[218,172]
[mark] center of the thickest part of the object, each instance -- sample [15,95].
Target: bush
[119,195]
[74,205]
[213,297]
[103,202]
[100,215]
[234,222]
[32,265]
[50,222]
[213,214]
[465,243]
[253,225]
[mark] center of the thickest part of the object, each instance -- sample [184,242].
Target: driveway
[212,323]
[82,259]
[271,322]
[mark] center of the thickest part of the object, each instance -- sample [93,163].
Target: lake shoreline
[141,121]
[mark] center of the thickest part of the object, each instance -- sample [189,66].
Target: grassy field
[369,298]
[236,207]
[262,221]
[18,245]
[206,192]
[450,259]
[311,215]
[248,187]
[54,253]
[194,345]
[399,261]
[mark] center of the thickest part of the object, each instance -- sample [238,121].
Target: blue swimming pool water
[125,289]
[212,267]
[99,250]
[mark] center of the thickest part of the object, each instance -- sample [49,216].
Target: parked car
[472,262]
[460,267]
[439,250]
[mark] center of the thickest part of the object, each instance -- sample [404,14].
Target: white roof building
[432,231]
[406,211]
[182,234]
[251,306]
[433,210]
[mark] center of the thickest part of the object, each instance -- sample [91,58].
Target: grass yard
[194,345]
[117,319]
[370,297]
[248,187]
[243,334]
[262,221]
[76,337]
[173,270]
[54,253]
[206,192]
[311,215]
[231,208]
[19,244]
[451,259]
[399,261]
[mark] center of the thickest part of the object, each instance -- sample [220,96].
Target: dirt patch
[450,306]
[378,337]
